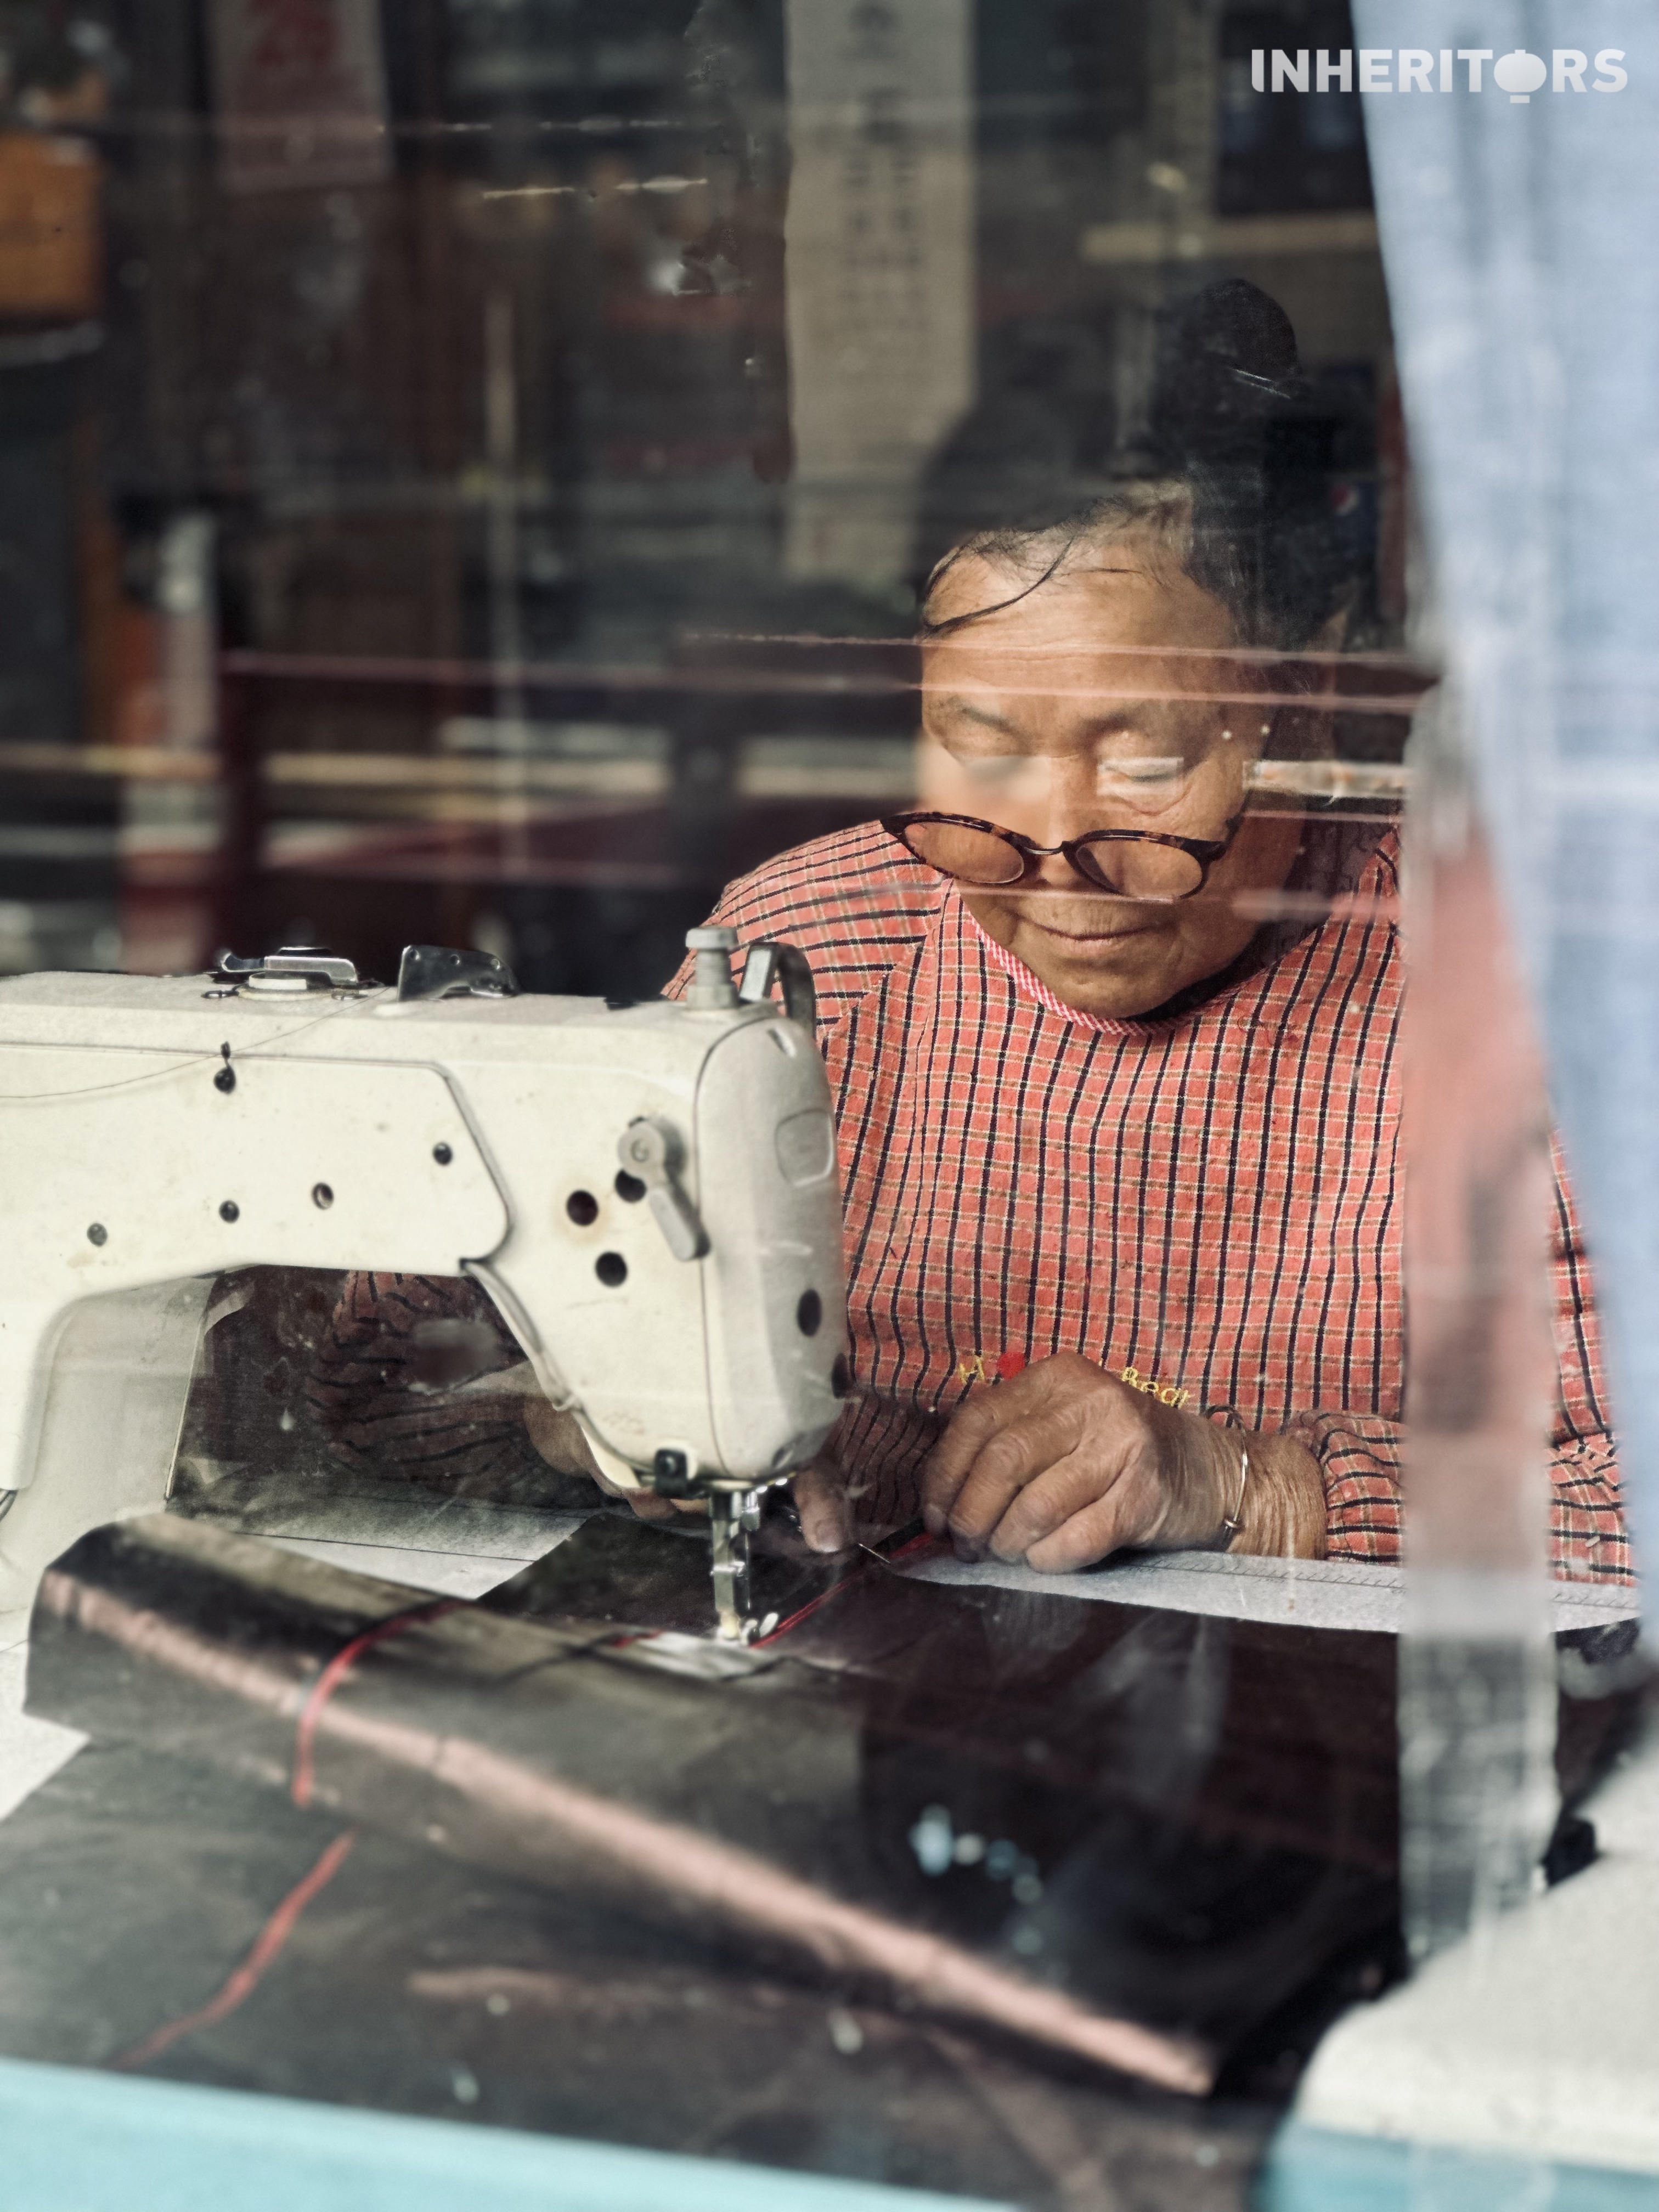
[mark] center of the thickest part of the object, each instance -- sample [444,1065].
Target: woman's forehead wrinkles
[956,708]
[1097,589]
[1114,712]
[1003,639]
[958,667]
[1084,567]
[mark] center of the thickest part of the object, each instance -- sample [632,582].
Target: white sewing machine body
[156,1131]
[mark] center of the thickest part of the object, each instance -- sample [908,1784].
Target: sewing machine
[647,1193]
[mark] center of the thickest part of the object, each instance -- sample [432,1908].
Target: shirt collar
[1032,985]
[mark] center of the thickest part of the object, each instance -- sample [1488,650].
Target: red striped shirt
[1209,1198]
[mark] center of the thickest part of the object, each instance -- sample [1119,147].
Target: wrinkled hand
[1065,1464]
[825,1504]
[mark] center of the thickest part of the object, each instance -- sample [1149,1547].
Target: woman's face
[1083,707]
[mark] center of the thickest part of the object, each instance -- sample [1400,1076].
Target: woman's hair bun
[1278,529]
[1226,363]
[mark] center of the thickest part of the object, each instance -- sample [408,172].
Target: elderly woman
[1117,1094]
[1118,1156]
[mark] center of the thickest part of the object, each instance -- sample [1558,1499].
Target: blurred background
[461,461]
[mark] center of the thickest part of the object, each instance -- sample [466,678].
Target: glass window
[807,1357]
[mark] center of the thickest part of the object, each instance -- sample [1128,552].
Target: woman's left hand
[1065,1464]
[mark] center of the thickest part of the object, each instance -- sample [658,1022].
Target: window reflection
[926,484]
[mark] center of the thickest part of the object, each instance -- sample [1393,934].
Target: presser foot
[733,1516]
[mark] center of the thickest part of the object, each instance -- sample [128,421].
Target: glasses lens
[1139,867]
[973,856]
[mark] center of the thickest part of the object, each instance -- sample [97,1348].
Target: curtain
[1518,239]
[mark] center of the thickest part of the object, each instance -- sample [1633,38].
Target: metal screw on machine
[766,962]
[711,988]
[671,1473]
[651,1149]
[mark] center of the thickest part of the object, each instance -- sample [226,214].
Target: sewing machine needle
[730,1518]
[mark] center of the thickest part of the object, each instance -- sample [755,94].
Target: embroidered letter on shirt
[1165,1393]
[972,1367]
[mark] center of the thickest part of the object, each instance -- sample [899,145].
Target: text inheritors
[1420,69]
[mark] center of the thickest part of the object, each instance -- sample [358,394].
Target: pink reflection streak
[1256,905]
[317,668]
[677,1863]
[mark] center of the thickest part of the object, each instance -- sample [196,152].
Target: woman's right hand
[825,1507]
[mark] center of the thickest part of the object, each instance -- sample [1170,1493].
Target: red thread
[811,1606]
[1011,1363]
[888,1558]
[911,1546]
[247,1978]
[334,1673]
[280,1926]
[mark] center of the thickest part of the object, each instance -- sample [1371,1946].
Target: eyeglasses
[1138,864]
